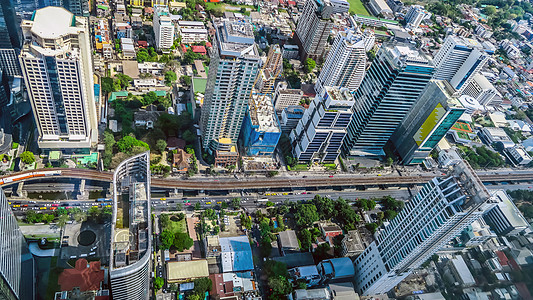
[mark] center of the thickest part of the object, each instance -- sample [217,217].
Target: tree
[179,206]
[149,98]
[170,77]
[245,221]
[270,204]
[372,227]
[279,286]
[197,206]
[158,283]
[306,215]
[161,145]
[107,85]
[182,241]
[390,214]
[309,65]
[167,239]
[188,136]
[202,285]
[186,80]
[62,220]
[325,206]
[275,268]
[236,203]
[127,143]
[47,218]
[305,239]
[27,157]
[489,10]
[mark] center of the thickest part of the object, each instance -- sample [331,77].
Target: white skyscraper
[58,71]
[346,61]
[320,132]
[459,60]
[415,15]
[440,211]
[232,72]
[315,24]
[163,28]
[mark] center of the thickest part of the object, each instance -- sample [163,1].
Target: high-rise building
[415,15]
[163,28]
[131,242]
[232,73]
[315,24]
[17,278]
[483,91]
[58,72]
[78,7]
[443,208]
[261,129]
[459,59]
[322,129]
[10,38]
[433,114]
[346,61]
[391,86]
[270,71]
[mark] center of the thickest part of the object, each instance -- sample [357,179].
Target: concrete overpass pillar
[20,192]
[83,194]
[176,193]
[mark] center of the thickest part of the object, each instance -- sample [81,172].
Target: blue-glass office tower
[260,130]
[389,90]
[433,114]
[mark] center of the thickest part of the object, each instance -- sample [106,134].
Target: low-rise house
[494,135]
[182,271]
[308,274]
[518,155]
[180,161]
[288,242]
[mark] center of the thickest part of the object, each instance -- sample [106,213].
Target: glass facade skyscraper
[16,261]
[10,38]
[433,114]
[390,88]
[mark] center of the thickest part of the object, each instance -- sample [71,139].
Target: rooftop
[186,270]
[288,239]
[236,39]
[53,22]
[262,113]
[236,254]
[509,209]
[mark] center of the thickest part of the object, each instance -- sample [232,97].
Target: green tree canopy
[27,157]
[158,283]
[306,215]
[170,77]
[182,241]
[167,239]
[309,65]
[161,145]
[127,143]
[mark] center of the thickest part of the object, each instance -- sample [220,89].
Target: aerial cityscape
[266,149]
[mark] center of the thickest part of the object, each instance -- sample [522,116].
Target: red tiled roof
[86,278]
[199,49]
[218,285]
[174,142]
[208,44]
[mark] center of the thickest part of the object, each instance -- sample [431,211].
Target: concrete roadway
[249,201]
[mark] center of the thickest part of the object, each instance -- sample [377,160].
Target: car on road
[330,176]
[219,202]
[163,199]
[187,203]
[208,203]
[16,205]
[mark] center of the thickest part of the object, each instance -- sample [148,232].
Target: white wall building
[58,71]
[518,155]
[232,72]
[439,212]
[346,61]
[459,59]
[285,97]
[163,28]
[483,91]
[415,15]
[322,129]
[380,7]
[505,218]
[192,31]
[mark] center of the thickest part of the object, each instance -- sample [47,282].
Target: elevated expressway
[221,184]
